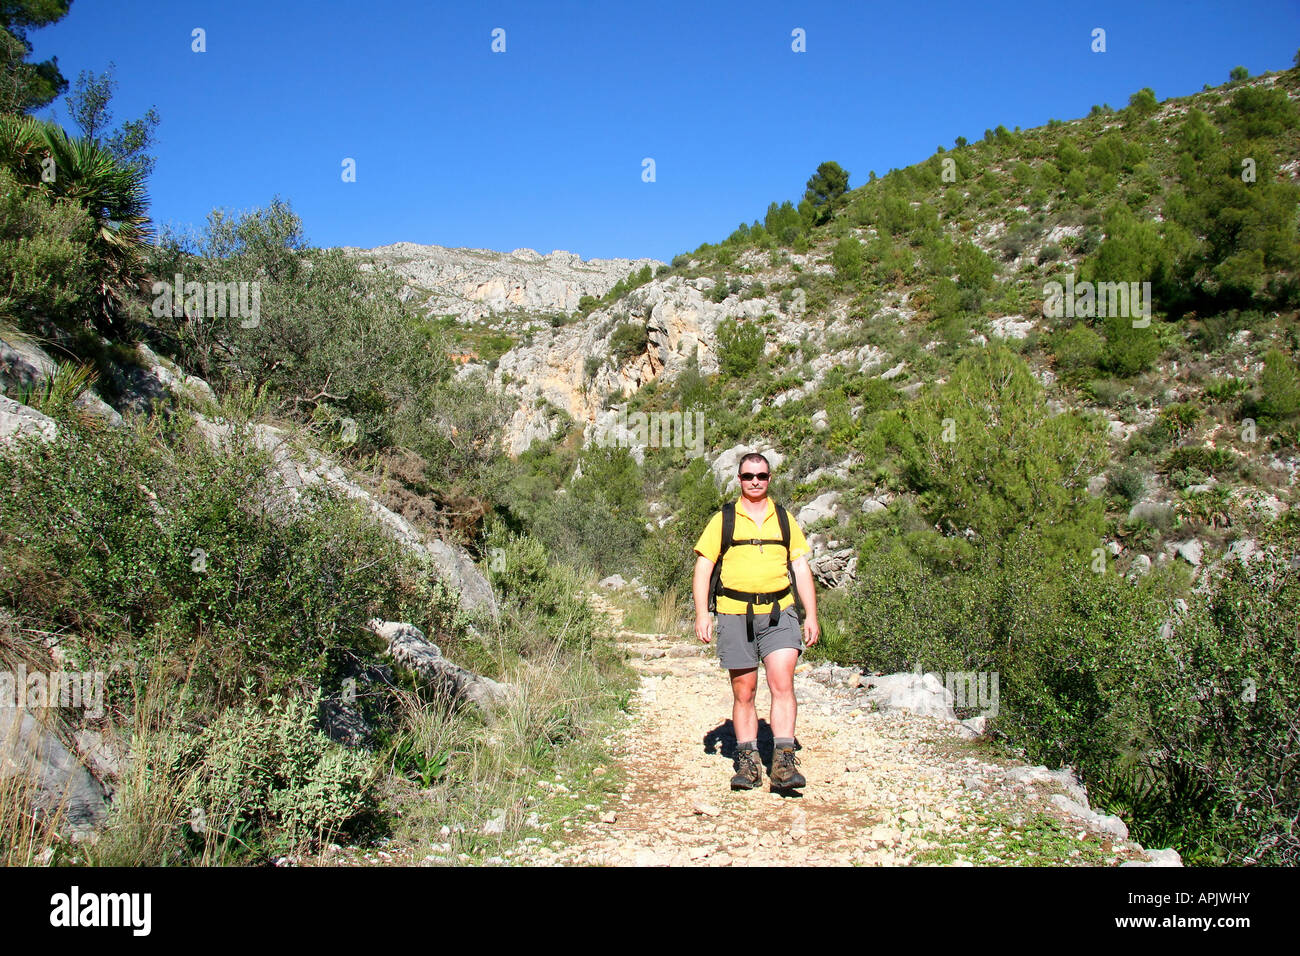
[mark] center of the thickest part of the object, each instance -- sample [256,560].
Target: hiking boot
[784,774]
[749,772]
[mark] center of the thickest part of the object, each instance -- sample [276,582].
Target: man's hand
[704,628]
[811,632]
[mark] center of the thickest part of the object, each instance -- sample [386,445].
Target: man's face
[754,479]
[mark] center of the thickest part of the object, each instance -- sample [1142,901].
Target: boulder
[1269,507]
[298,469]
[922,694]
[31,748]
[409,647]
[836,568]
[1157,858]
[1141,565]
[1064,778]
[1243,550]
[23,364]
[823,506]
[1190,551]
[1106,823]
[18,420]
[1010,327]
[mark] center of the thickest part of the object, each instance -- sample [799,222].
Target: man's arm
[803,580]
[700,591]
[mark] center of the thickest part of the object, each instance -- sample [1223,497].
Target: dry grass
[494,761]
[669,612]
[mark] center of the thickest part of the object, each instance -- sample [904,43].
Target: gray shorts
[737,652]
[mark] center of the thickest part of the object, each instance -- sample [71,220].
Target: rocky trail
[885,787]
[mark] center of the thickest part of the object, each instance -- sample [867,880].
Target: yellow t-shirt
[745,568]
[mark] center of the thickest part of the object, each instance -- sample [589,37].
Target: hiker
[758,616]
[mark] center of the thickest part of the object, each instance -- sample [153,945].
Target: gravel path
[883,788]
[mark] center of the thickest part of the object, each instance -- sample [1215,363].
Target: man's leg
[779,665]
[780,681]
[744,719]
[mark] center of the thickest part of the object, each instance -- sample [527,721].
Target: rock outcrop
[410,648]
[54,776]
[681,326]
[473,284]
[18,420]
[300,468]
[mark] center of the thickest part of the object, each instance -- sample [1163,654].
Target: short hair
[753,456]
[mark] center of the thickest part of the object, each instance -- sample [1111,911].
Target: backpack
[729,538]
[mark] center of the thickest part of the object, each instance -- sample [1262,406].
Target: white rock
[17,419]
[1190,551]
[1011,327]
[921,694]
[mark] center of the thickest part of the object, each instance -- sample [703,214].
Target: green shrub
[528,576]
[599,520]
[1128,482]
[269,774]
[668,556]
[1106,391]
[847,259]
[1129,350]
[1228,723]
[45,257]
[327,333]
[1255,112]
[628,341]
[1211,461]
[145,546]
[1142,103]
[984,452]
[1050,632]
[740,348]
[1180,417]
[1221,390]
[1049,253]
[1279,386]
[1078,349]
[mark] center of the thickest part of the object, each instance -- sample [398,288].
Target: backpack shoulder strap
[728,528]
[783,519]
[728,534]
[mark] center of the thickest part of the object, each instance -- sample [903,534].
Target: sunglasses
[750,476]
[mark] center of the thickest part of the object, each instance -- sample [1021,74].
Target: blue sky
[542,145]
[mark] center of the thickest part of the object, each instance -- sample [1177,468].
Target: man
[757,620]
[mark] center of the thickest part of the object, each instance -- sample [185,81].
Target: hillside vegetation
[1099,507]
[1063,482]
